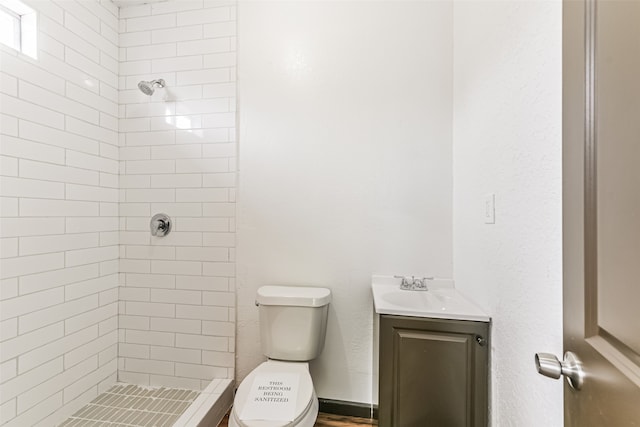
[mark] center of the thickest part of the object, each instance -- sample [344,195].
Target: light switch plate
[490,209]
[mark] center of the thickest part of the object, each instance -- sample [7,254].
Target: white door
[601,162]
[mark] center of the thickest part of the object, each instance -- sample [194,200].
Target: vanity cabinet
[433,372]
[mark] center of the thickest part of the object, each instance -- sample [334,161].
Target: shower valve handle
[160,225]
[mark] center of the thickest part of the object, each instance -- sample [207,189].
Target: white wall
[507,141]
[345,163]
[178,153]
[59,224]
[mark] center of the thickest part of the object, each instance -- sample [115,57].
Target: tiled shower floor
[132,405]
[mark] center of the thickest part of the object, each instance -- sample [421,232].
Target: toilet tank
[293,321]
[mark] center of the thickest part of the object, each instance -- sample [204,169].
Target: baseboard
[351,409]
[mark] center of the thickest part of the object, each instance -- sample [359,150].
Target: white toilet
[293,324]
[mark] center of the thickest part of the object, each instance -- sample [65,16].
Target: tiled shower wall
[66,230]
[59,214]
[178,156]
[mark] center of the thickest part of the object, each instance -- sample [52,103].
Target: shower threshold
[142,406]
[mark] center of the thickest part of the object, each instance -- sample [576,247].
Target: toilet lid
[304,395]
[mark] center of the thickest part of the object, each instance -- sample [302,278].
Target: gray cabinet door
[432,373]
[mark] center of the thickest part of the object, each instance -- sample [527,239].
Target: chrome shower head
[149,87]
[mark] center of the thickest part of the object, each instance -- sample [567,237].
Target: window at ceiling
[18,28]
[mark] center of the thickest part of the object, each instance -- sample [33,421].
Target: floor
[329,420]
[131,405]
[126,405]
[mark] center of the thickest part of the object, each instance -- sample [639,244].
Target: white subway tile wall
[87,295]
[59,226]
[177,156]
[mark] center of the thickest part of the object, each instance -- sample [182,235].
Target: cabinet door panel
[432,383]
[433,372]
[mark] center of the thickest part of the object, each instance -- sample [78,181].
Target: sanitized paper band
[272,397]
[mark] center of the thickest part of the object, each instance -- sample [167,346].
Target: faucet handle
[404,282]
[421,283]
[407,283]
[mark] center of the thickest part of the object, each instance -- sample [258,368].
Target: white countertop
[441,301]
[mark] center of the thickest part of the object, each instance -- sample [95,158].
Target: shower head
[149,87]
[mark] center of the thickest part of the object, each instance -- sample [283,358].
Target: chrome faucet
[414,284]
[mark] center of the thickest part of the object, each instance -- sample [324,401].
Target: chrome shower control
[160,225]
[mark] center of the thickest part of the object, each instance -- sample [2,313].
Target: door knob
[571,367]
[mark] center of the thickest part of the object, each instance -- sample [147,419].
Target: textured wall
[177,315]
[507,141]
[59,225]
[345,163]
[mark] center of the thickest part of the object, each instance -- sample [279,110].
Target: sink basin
[413,300]
[441,301]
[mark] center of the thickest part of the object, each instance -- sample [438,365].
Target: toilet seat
[306,402]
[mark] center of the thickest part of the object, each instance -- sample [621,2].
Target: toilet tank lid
[300,296]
